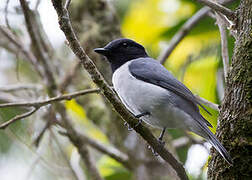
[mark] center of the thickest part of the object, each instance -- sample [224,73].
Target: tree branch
[27,54]
[66,27]
[224,44]
[90,164]
[51,100]
[39,104]
[64,155]
[18,117]
[36,43]
[208,103]
[69,77]
[18,87]
[41,54]
[219,8]
[108,150]
[183,31]
[6,15]
[74,137]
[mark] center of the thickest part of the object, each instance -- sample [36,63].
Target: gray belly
[140,97]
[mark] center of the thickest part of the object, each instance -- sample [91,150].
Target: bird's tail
[219,147]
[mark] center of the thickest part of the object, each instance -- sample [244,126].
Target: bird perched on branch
[152,94]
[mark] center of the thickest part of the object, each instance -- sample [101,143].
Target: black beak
[102,51]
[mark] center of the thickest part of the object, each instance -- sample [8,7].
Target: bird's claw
[139,122]
[128,126]
[143,114]
[152,150]
[161,142]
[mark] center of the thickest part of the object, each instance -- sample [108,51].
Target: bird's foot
[139,121]
[142,114]
[128,126]
[161,141]
[131,128]
[152,150]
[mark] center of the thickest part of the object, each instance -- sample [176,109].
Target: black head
[120,51]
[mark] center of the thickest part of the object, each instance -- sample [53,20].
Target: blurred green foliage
[152,23]
[19,127]
[112,170]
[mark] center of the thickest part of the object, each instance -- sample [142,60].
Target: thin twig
[19,87]
[51,166]
[7,98]
[108,150]
[64,155]
[27,54]
[224,44]
[37,5]
[18,117]
[31,25]
[69,77]
[97,78]
[180,142]
[6,14]
[183,31]
[42,36]
[200,99]
[184,67]
[39,104]
[32,168]
[219,8]
[208,103]
[50,116]
[51,100]
[220,84]
[74,137]
[90,164]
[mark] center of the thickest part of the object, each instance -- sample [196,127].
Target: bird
[153,95]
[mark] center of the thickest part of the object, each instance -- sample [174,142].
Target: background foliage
[195,61]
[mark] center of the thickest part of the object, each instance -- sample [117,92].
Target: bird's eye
[125,45]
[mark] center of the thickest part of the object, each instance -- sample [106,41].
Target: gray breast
[140,97]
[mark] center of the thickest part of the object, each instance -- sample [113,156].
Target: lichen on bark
[235,120]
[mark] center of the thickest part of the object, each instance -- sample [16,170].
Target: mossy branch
[66,27]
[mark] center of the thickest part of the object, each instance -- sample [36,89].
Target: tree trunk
[235,128]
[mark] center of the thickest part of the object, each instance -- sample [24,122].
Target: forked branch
[219,8]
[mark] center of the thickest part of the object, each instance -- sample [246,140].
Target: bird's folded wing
[151,71]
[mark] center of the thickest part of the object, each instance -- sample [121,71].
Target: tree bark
[96,24]
[235,120]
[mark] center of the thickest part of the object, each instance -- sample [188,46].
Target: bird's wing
[151,71]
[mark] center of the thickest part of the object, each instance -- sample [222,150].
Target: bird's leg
[139,121]
[160,141]
[128,126]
